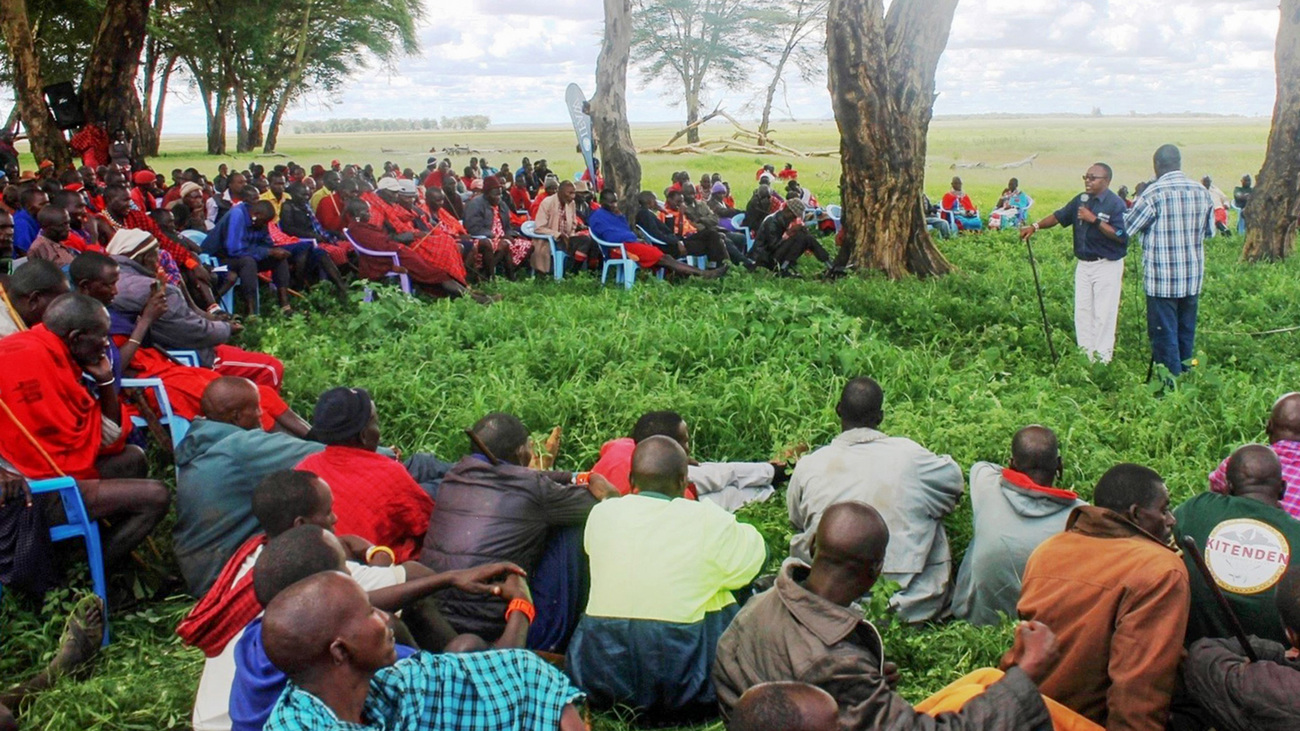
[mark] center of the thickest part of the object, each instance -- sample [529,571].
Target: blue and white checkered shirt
[1173,215]
[479,691]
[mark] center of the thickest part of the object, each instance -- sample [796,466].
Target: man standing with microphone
[1100,243]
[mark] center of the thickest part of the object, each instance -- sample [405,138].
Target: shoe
[718,273]
[750,264]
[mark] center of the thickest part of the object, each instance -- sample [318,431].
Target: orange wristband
[521,605]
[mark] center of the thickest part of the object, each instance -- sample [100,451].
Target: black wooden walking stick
[1189,545]
[1042,308]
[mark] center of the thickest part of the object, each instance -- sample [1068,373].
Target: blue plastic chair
[79,525]
[178,426]
[834,212]
[624,268]
[402,279]
[738,222]
[222,271]
[558,257]
[185,357]
[699,262]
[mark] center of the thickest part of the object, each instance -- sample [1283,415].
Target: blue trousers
[559,586]
[1171,326]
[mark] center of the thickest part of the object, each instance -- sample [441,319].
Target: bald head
[659,465]
[232,401]
[303,622]
[785,706]
[1255,472]
[1035,452]
[848,552]
[1284,422]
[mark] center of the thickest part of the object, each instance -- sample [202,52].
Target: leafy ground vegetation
[755,364]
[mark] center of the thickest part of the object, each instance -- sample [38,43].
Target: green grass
[755,364]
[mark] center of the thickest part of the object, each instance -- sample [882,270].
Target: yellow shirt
[270,197]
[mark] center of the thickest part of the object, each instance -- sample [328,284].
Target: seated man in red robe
[963,210]
[374,495]
[60,415]
[434,262]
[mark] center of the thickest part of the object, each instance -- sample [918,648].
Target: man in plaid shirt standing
[1173,215]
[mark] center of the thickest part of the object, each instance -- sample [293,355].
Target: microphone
[1083,199]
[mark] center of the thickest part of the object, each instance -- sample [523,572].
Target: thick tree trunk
[692,115]
[609,107]
[256,121]
[214,106]
[241,117]
[277,117]
[46,140]
[881,69]
[290,86]
[1272,210]
[108,93]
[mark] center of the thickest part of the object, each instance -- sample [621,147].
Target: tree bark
[47,142]
[692,115]
[609,107]
[108,93]
[881,71]
[290,86]
[214,107]
[241,116]
[764,125]
[1272,210]
[163,83]
[256,121]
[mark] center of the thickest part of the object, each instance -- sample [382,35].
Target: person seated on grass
[785,706]
[963,210]
[434,262]
[1236,694]
[557,217]
[340,657]
[783,237]
[806,629]
[730,485]
[1116,594]
[1247,540]
[1015,509]
[487,218]
[375,497]
[241,242]
[912,487]
[1283,429]
[82,635]
[53,426]
[649,644]
[27,293]
[180,326]
[285,503]
[608,225]
[222,459]
[52,243]
[492,507]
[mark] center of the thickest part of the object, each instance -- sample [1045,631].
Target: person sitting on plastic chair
[964,212]
[51,425]
[608,225]
[1012,209]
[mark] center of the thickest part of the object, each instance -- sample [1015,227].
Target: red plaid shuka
[227,607]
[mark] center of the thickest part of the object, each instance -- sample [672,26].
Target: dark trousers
[706,243]
[1171,326]
[787,252]
[246,268]
[559,586]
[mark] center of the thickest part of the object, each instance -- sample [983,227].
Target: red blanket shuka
[42,386]
[227,607]
[374,497]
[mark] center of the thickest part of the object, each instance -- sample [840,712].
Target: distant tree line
[365,124]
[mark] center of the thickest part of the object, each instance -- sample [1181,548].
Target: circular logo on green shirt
[1246,556]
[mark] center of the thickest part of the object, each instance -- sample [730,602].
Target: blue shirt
[1090,244]
[610,227]
[477,691]
[234,236]
[1173,215]
[25,230]
[259,684]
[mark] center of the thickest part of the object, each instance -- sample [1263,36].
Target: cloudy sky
[512,59]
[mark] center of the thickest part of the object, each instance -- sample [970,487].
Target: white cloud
[512,59]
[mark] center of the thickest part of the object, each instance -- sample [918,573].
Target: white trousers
[1096,306]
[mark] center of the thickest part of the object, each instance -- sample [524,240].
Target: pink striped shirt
[1288,453]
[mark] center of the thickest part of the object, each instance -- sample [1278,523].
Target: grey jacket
[180,327]
[1010,521]
[790,633]
[913,489]
[478,217]
[1240,695]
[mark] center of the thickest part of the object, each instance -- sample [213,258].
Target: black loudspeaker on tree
[65,105]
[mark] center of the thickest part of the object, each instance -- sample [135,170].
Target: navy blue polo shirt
[1089,242]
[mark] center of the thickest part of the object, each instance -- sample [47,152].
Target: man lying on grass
[339,654]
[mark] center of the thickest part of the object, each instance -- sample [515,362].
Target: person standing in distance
[1100,243]
[1173,215]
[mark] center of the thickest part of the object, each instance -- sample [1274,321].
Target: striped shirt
[1288,453]
[1173,215]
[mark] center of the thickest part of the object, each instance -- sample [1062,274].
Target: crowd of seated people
[338,580]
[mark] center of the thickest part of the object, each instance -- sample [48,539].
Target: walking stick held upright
[1042,308]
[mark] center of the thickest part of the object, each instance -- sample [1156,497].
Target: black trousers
[246,268]
[788,251]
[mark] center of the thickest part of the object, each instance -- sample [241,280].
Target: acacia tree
[799,25]
[46,140]
[108,93]
[881,69]
[609,106]
[1271,213]
[700,43]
